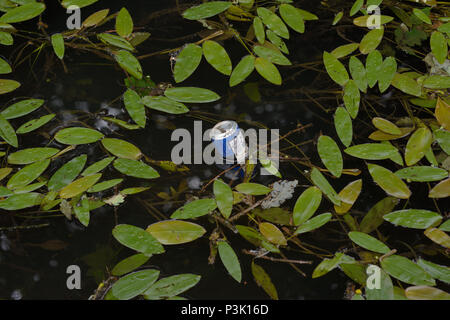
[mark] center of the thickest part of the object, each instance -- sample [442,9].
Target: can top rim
[223,129]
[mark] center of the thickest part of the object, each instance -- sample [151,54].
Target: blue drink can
[229,141]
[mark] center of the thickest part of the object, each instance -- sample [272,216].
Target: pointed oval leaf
[344,50]
[7,132]
[386,126]
[413,218]
[368,242]
[135,107]
[206,10]
[97,166]
[372,151]
[217,57]
[129,63]
[406,84]
[417,146]
[272,55]
[23,13]
[389,182]
[426,293]
[254,189]
[58,45]
[67,173]
[438,46]
[224,197]
[164,104]
[21,201]
[30,155]
[272,233]
[21,108]
[313,223]
[135,168]
[358,73]
[194,209]
[95,18]
[79,186]
[191,95]
[441,190]
[243,69]
[121,148]
[263,280]
[7,85]
[405,270]
[292,17]
[351,98]
[78,135]
[187,61]
[335,69]
[387,73]
[134,284]
[348,196]
[273,22]
[438,236]
[422,173]
[104,185]
[258,27]
[371,40]
[330,155]
[306,205]
[374,62]
[129,264]
[124,23]
[322,183]
[34,124]
[171,232]
[229,260]
[28,174]
[343,125]
[137,239]
[267,70]
[171,286]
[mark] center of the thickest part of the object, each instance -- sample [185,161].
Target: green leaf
[330,155]
[133,190]
[121,148]
[355,271]
[348,195]
[372,151]
[426,293]
[272,234]
[191,95]
[374,218]
[4,67]
[7,40]
[263,280]
[164,104]
[273,22]
[374,62]
[104,185]
[187,61]
[438,236]
[368,242]
[421,15]
[274,215]
[135,107]
[437,271]
[313,223]
[351,98]
[413,218]
[437,82]
[272,55]
[124,23]
[258,27]
[344,50]
[438,46]
[27,175]
[7,132]
[386,126]
[97,166]
[67,173]
[206,10]
[121,123]
[82,212]
[267,70]
[7,85]
[385,291]
[129,264]
[35,124]
[171,286]
[389,182]
[445,226]
[407,85]
[307,15]
[328,265]
[292,17]
[116,41]
[137,239]
[217,57]
[418,144]
[405,270]
[422,173]
[78,3]
[358,73]
[357,5]
[58,44]
[95,18]
[194,209]
[224,197]
[387,73]
[321,182]
[343,125]
[30,155]
[335,69]
[243,69]
[254,189]
[21,201]
[337,18]
[134,284]
[441,190]
[23,13]
[134,168]
[171,232]
[129,63]
[371,40]
[79,186]
[21,108]
[78,135]
[230,260]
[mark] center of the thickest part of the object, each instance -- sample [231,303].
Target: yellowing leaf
[442,113]
[348,196]
[272,233]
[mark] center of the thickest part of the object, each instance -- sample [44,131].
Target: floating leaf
[58,44]
[387,74]
[175,232]
[229,260]
[217,57]
[79,186]
[21,108]
[272,233]
[21,201]
[348,196]
[7,85]
[121,123]
[321,182]
[382,136]
[274,215]
[435,270]
[421,15]
[386,289]
[373,20]
[134,190]
[124,23]
[187,61]
[191,95]
[95,18]
[4,67]
[267,70]
[335,69]
[67,173]
[78,3]
[7,132]
[243,69]
[307,15]
[272,55]
[30,155]
[22,13]
[441,190]
[351,98]
[121,148]
[442,113]
[194,209]
[104,185]
[263,280]
[413,218]
[34,124]
[224,197]
[344,50]
[171,286]
[328,265]
[407,85]
[422,173]
[386,126]
[337,18]
[258,27]
[4,172]
[78,135]
[97,166]
[418,144]
[313,223]
[206,10]
[254,189]
[389,182]
[129,264]
[116,41]
[164,104]
[330,155]
[357,5]
[438,236]
[129,63]
[27,175]
[137,239]
[374,62]
[358,73]
[437,82]
[405,270]
[134,284]
[368,242]
[135,168]
[426,293]
[372,151]
[292,17]
[371,40]
[135,107]
[374,218]
[273,22]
